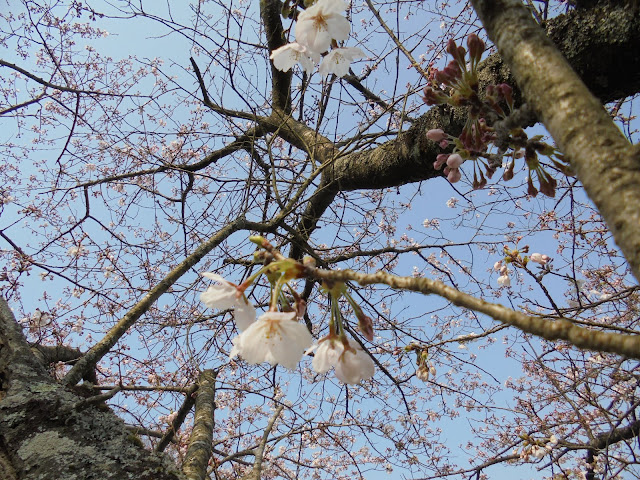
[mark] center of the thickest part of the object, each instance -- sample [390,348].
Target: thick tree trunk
[50,433]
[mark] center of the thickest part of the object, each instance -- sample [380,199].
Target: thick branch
[270,12]
[199,450]
[101,348]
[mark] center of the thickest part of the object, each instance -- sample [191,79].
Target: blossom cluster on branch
[487,123]
[319,27]
[277,336]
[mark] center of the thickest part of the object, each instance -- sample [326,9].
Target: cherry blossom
[455,160]
[424,371]
[321,23]
[338,60]
[222,296]
[540,258]
[436,134]
[350,361]
[244,314]
[276,338]
[504,281]
[226,295]
[288,55]
[454,175]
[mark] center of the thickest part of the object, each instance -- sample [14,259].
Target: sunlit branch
[560,329]
[101,348]
[606,163]
[256,473]
[199,450]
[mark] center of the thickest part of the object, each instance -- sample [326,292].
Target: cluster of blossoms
[319,27]
[513,257]
[277,336]
[457,85]
[425,367]
[537,448]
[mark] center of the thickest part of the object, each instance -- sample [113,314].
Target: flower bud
[441,159]
[454,161]
[476,46]
[454,175]
[365,325]
[508,173]
[436,134]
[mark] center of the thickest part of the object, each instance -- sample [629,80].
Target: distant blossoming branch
[549,329]
[319,27]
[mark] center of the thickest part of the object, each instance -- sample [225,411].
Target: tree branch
[605,162]
[95,353]
[558,329]
[199,450]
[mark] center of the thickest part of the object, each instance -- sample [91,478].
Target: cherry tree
[216,261]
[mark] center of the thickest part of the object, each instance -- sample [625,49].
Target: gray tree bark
[50,433]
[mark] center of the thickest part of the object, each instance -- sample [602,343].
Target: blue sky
[491,215]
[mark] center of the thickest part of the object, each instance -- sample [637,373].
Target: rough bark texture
[605,162]
[45,436]
[199,451]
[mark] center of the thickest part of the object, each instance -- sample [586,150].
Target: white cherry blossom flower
[276,338]
[38,320]
[327,354]
[504,281]
[321,23]
[244,314]
[350,361]
[225,295]
[338,60]
[540,258]
[76,251]
[288,55]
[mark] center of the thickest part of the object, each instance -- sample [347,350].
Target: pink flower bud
[476,46]
[454,161]
[454,175]
[497,265]
[365,324]
[441,159]
[444,143]
[436,134]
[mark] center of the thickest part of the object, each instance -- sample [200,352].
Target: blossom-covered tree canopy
[319,239]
